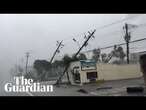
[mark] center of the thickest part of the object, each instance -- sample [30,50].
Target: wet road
[115,88]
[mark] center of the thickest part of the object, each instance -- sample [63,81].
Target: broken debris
[101,88]
[83,91]
[134,89]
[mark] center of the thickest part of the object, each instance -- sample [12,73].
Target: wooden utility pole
[84,44]
[57,50]
[27,56]
[127,39]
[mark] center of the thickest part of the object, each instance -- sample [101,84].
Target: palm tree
[121,53]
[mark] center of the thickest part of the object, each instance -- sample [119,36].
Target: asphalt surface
[108,88]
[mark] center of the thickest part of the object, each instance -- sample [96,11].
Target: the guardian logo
[26,85]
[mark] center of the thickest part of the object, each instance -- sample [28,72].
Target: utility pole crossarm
[91,34]
[56,51]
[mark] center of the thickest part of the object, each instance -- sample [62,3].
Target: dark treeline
[46,70]
[43,70]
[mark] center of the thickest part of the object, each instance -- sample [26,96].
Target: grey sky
[38,33]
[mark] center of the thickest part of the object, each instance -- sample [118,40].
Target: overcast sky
[38,33]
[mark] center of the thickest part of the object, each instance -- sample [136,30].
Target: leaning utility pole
[127,39]
[57,50]
[27,56]
[84,44]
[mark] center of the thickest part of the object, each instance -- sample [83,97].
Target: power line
[117,45]
[108,25]
[116,22]
[111,46]
[103,48]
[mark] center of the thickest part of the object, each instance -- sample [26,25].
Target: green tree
[114,52]
[57,63]
[74,58]
[42,67]
[121,53]
[66,60]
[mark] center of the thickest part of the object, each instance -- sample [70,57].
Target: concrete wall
[115,72]
[110,72]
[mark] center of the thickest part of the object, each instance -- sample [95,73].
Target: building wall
[116,72]
[110,72]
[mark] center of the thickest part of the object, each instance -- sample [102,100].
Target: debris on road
[101,88]
[83,91]
[135,89]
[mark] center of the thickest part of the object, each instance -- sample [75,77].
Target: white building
[86,71]
[83,71]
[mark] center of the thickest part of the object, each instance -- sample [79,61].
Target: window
[91,75]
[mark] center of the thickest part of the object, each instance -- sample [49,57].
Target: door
[76,75]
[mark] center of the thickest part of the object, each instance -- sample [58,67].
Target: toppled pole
[84,44]
[55,52]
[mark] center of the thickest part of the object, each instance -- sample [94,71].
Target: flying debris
[74,39]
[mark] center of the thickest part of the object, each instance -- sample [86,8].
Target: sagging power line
[103,48]
[109,25]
